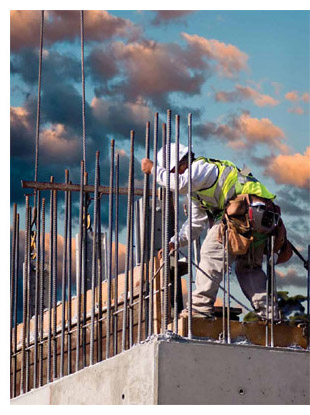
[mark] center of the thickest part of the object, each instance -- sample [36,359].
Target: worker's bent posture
[226,197]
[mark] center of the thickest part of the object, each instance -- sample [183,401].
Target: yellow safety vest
[229,183]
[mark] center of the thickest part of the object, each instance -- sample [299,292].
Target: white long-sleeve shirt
[204,176]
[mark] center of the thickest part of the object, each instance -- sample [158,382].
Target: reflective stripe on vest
[230,182]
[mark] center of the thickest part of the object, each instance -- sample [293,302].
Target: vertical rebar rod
[190,276]
[308,299]
[268,272]
[129,202]
[83,86]
[29,305]
[79,270]
[42,280]
[111,202]
[153,224]
[69,281]
[116,247]
[37,299]
[84,271]
[225,288]
[176,220]
[131,277]
[50,289]
[167,219]
[39,101]
[12,297]
[93,267]
[272,292]
[228,272]
[64,281]
[15,299]
[25,287]
[99,277]
[55,285]
[144,256]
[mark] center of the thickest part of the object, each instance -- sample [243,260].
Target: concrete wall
[176,372]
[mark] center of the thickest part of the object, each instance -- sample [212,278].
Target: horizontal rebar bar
[75,188]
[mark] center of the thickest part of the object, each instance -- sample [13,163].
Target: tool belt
[241,228]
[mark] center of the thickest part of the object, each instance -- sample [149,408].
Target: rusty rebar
[37,282]
[50,289]
[129,203]
[153,224]
[308,300]
[176,222]
[64,281]
[42,280]
[94,268]
[16,266]
[55,285]
[116,248]
[84,255]
[111,202]
[79,267]
[224,269]
[144,256]
[69,281]
[190,276]
[99,278]
[272,288]
[12,298]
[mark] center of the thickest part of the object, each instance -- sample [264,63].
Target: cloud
[166,16]
[293,169]
[245,132]
[229,59]
[243,93]
[292,96]
[290,279]
[296,110]
[306,97]
[64,25]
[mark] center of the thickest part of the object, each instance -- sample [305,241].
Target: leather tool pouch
[239,234]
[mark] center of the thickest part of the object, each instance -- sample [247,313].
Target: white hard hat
[160,155]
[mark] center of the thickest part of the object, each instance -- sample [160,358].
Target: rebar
[176,221]
[39,100]
[166,229]
[228,272]
[69,280]
[93,268]
[55,285]
[144,256]
[131,277]
[28,271]
[15,299]
[64,281]
[272,288]
[116,248]
[268,272]
[37,282]
[153,224]
[42,279]
[224,284]
[25,290]
[83,86]
[79,268]
[111,202]
[99,277]
[13,295]
[84,255]
[190,277]
[129,202]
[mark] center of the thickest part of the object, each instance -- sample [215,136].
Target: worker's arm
[199,222]
[204,175]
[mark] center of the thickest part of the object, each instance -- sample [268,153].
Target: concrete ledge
[174,371]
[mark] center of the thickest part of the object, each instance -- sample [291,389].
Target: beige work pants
[251,277]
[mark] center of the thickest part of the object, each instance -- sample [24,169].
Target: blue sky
[257,62]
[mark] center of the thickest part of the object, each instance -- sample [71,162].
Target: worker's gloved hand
[146,166]
[160,252]
[275,258]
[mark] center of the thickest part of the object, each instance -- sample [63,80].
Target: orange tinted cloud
[292,96]
[291,169]
[164,16]
[230,60]
[242,93]
[296,110]
[306,97]
[65,25]
[245,131]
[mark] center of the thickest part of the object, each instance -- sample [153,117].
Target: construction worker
[225,197]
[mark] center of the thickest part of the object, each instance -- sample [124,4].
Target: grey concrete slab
[208,373]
